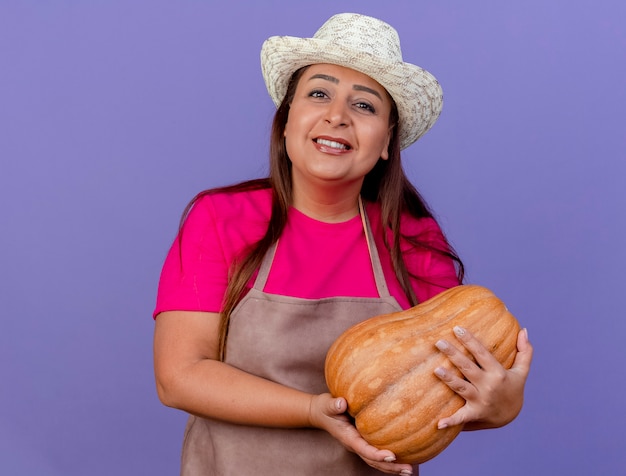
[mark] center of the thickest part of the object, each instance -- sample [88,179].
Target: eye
[365,107]
[318,93]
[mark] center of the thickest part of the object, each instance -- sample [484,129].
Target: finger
[391,470]
[524,356]
[371,453]
[462,387]
[390,467]
[403,470]
[484,358]
[465,364]
[381,459]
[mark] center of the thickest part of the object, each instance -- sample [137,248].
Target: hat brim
[416,92]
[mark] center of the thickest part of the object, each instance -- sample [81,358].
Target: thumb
[460,417]
[525,353]
[338,405]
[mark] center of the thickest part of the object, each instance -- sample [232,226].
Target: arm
[493,395]
[189,377]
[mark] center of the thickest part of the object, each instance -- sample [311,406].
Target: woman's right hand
[329,414]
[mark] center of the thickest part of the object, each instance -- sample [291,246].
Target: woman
[264,275]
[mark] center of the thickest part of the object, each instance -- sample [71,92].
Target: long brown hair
[386,183]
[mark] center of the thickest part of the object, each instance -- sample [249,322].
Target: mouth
[333,144]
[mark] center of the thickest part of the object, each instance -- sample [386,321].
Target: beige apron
[284,339]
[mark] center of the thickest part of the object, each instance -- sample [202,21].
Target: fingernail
[390,459]
[526,332]
[406,472]
[458,330]
[439,372]
[338,404]
[441,345]
[442,426]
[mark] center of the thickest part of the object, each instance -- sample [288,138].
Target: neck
[331,206]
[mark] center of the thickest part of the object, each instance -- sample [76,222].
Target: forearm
[213,389]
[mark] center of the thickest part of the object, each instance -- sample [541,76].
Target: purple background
[114,114]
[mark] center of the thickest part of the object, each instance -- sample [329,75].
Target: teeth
[333,144]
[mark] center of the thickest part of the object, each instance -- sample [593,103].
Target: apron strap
[377,268]
[264,270]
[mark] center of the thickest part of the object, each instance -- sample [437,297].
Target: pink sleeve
[194,275]
[435,271]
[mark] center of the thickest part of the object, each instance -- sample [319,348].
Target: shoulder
[242,206]
[227,220]
[424,229]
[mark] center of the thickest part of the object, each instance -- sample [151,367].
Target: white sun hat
[367,45]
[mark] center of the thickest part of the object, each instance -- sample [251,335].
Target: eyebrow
[356,87]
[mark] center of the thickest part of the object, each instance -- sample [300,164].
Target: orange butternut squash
[384,368]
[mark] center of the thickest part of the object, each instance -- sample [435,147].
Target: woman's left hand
[493,395]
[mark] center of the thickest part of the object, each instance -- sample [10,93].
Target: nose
[337,114]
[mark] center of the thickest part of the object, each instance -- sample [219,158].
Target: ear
[285,128]
[384,154]
[287,120]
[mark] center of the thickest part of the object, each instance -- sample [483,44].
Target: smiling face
[338,127]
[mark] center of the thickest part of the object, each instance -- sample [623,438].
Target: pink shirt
[313,260]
